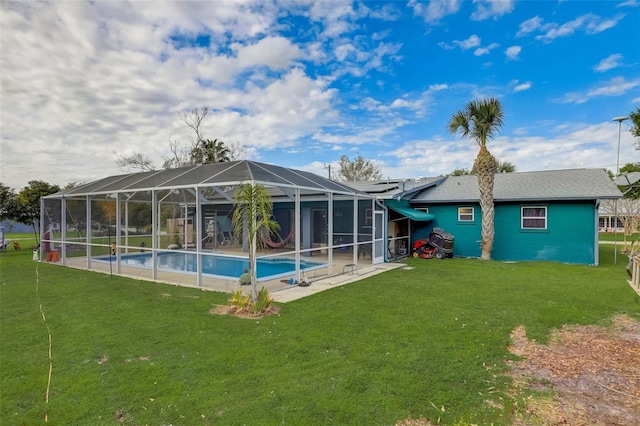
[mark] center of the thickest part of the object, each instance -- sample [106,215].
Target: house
[545,215]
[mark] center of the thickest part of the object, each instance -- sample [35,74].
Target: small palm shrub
[263,303]
[239,300]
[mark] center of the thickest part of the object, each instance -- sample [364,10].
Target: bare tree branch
[194,119]
[236,151]
[136,161]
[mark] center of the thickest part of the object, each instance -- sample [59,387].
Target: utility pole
[615,228]
[328,167]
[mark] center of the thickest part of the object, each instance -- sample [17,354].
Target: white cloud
[610,62]
[491,9]
[116,84]
[438,87]
[522,87]
[529,26]
[403,103]
[369,104]
[434,9]
[359,60]
[614,87]
[344,50]
[589,23]
[513,52]
[469,43]
[485,50]
[273,52]
[446,46]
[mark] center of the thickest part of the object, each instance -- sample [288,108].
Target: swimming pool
[220,266]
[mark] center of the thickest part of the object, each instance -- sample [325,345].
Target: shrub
[263,303]
[240,301]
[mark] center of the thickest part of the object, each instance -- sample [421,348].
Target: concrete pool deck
[280,290]
[297,292]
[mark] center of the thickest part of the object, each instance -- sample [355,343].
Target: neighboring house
[15,227]
[547,215]
[627,212]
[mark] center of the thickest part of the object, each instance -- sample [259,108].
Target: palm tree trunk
[254,268]
[485,168]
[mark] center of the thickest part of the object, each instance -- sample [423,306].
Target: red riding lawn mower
[438,245]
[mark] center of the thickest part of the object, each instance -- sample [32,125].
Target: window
[465,214]
[422,209]
[368,218]
[534,218]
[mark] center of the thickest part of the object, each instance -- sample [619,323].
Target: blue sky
[301,83]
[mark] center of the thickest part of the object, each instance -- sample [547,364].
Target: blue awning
[403,207]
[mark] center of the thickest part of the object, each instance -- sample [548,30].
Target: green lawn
[610,236]
[427,342]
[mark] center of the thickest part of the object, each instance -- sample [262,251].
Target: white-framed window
[368,218]
[534,217]
[422,209]
[465,214]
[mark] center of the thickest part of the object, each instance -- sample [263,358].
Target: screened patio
[175,226]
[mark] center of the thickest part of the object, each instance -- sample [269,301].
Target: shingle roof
[575,184]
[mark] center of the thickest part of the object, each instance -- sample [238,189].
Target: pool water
[227,267]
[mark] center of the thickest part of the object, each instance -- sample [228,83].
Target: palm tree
[253,215]
[210,151]
[479,120]
[503,166]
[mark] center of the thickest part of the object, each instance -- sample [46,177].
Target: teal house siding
[466,234]
[569,236]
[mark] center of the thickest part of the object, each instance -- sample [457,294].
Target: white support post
[155,233]
[41,228]
[63,230]
[87,231]
[118,233]
[126,225]
[355,230]
[297,231]
[330,232]
[198,219]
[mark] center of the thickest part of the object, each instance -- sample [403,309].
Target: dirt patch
[232,310]
[592,373]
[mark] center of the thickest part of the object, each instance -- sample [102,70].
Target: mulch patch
[232,310]
[593,373]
